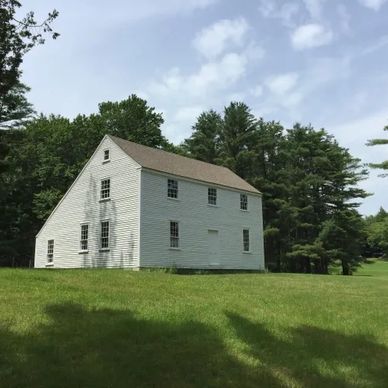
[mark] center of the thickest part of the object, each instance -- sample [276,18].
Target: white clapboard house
[135,207]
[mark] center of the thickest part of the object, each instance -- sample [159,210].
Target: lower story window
[104,234]
[50,251]
[84,237]
[174,234]
[246,240]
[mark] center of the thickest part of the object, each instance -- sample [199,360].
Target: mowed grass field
[116,328]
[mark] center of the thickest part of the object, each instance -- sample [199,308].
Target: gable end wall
[81,204]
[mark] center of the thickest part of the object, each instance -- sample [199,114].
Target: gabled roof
[167,162]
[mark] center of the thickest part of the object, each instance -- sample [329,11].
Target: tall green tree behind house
[309,183]
[236,138]
[269,175]
[134,120]
[343,236]
[204,143]
[383,165]
[325,180]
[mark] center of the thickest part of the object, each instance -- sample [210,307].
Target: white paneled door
[213,246]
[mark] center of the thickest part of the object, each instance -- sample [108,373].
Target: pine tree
[383,165]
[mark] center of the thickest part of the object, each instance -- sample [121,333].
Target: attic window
[106,156]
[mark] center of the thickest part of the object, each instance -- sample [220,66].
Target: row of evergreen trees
[309,186]
[309,183]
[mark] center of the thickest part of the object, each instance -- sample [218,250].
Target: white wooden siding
[196,218]
[82,205]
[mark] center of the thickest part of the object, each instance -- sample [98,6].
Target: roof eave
[254,191]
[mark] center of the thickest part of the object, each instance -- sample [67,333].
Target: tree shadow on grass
[314,357]
[115,348]
[111,348]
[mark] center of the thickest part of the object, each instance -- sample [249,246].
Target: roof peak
[167,152]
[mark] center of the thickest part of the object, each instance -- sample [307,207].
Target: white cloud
[211,76]
[189,94]
[311,35]
[373,4]
[286,13]
[215,39]
[219,74]
[292,96]
[213,84]
[283,83]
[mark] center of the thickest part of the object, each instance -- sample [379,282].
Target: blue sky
[322,62]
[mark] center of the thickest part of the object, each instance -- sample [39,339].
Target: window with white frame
[174,234]
[84,237]
[50,251]
[172,188]
[243,202]
[105,189]
[212,196]
[106,156]
[104,235]
[246,240]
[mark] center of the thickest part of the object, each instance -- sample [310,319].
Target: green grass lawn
[116,328]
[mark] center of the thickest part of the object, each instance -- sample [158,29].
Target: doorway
[213,246]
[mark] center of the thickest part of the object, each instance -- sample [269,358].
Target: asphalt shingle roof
[167,162]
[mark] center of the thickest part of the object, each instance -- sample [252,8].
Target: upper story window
[50,251]
[174,234]
[106,155]
[246,240]
[212,196]
[104,235]
[243,202]
[105,189]
[84,237]
[172,188]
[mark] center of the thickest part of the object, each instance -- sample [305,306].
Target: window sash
[243,202]
[172,188]
[105,188]
[84,237]
[246,240]
[104,234]
[174,234]
[106,155]
[50,251]
[212,196]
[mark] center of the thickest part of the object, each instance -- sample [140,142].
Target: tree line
[309,182]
